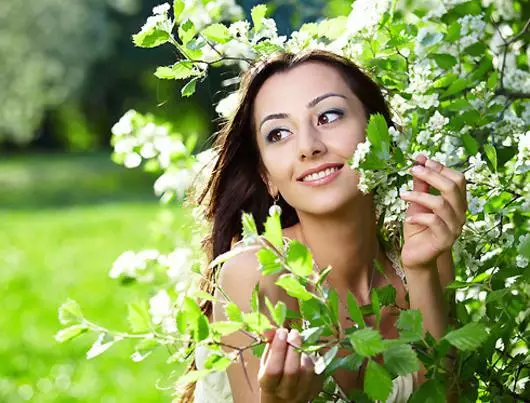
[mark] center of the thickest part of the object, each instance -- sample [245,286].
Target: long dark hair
[236,184]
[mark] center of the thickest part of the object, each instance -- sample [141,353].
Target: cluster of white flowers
[437,122]
[173,182]
[522,164]
[202,13]
[517,79]
[162,311]
[136,138]
[144,266]
[473,29]
[366,14]
[360,154]
[227,106]
[135,265]
[502,9]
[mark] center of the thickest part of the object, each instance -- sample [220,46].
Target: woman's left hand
[432,223]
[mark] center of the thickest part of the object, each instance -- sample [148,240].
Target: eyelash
[339,112]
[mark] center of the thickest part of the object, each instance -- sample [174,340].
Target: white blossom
[437,121]
[472,30]
[161,9]
[227,106]
[521,261]
[160,306]
[360,153]
[174,181]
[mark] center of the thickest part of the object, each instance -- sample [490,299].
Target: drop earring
[275,209]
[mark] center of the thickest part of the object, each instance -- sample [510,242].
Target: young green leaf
[250,231]
[367,342]
[268,262]
[377,382]
[233,312]
[225,327]
[138,317]
[258,13]
[354,310]
[430,392]
[189,89]
[410,325]
[491,153]
[70,313]
[102,344]
[324,360]
[150,36]
[69,333]
[293,287]
[469,337]
[256,322]
[273,231]
[299,259]
[280,313]
[186,31]
[377,133]
[401,359]
[217,33]
[178,8]
[178,71]
[470,144]
[143,349]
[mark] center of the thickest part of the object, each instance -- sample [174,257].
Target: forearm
[426,295]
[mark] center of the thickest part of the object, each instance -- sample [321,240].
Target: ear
[271,188]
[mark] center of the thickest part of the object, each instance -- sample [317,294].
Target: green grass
[54,247]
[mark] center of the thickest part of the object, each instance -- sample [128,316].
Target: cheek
[278,164]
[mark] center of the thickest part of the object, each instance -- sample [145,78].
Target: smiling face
[308,123]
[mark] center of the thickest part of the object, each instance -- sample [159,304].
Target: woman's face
[308,124]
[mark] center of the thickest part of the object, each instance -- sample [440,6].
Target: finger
[438,227]
[447,187]
[457,177]
[438,205]
[269,334]
[287,388]
[270,374]
[308,378]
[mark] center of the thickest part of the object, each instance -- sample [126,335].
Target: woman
[299,120]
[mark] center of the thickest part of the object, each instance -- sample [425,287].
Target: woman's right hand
[286,375]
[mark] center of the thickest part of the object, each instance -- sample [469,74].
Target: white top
[215,387]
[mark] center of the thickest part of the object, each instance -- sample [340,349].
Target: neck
[347,241]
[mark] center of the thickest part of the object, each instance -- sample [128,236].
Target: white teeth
[319,175]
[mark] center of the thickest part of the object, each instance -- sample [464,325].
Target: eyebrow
[311,104]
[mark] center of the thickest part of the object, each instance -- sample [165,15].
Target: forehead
[296,87]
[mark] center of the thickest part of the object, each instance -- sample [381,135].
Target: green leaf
[524,248]
[311,335]
[445,60]
[250,230]
[351,362]
[217,362]
[492,80]
[456,87]
[186,31]
[70,313]
[387,295]
[377,382]
[280,313]
[401,359]
[453,32]
[150,36]
[178,8]
[69,333]
[268,262]
[430,392]
[217,33]
[178,71]
[377,132]
[333,305]
[324,360]
[332,28]
[376,307]
[254,299]
[225,327]
[258,13]
[293,287]
[299,259]
[468,337]
[233,312]
[354,310]
[189,89]
[410,325]
[273,231]
[143,349]
[102,344]
[367,342]
[491,153]
[138,317]
[470,144]
[257,322]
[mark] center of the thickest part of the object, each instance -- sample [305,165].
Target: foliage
[456,75]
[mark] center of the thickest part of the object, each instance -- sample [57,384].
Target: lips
[319,171]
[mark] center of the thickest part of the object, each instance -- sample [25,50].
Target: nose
[309,142]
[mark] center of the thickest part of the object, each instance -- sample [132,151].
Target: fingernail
[430,164]
[293,334]
[404,193]
[418,169]
[282,334]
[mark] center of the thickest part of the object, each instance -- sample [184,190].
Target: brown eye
[275,135]
[327,117]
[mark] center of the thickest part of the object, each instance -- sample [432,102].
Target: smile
[321,176]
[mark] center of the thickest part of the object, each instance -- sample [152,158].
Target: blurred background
[68,72]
